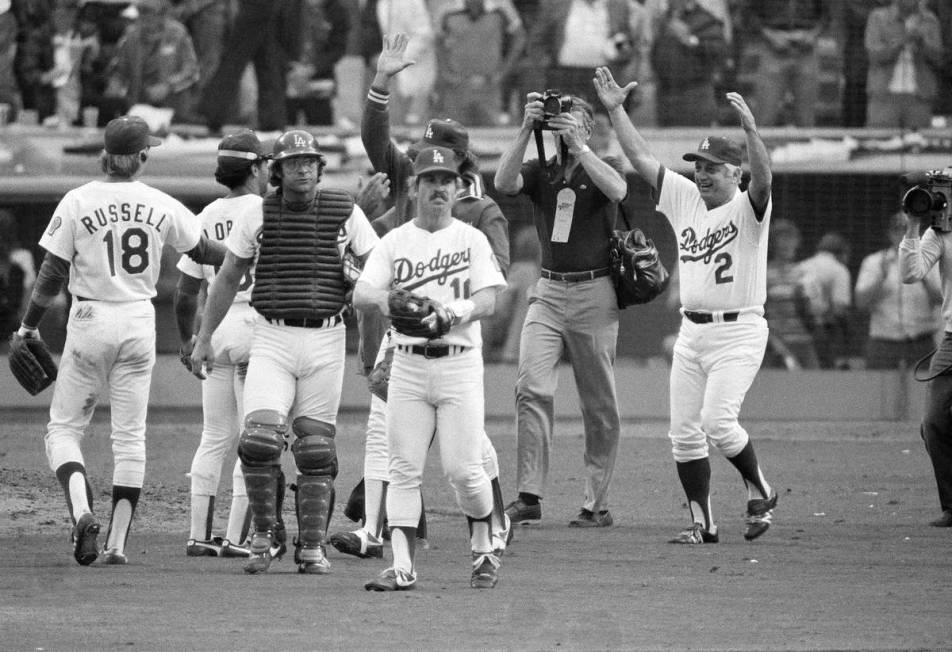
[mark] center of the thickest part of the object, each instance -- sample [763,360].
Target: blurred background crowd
[274,63]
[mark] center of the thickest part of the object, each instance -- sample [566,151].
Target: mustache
[439,194]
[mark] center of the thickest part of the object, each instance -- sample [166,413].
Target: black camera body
[553,103]
[930,196]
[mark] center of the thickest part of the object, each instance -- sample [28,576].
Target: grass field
[848,564]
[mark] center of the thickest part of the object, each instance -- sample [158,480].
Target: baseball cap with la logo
[435,159]
[716,150]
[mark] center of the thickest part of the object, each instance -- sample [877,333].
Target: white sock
[480,538]
[373,507]
[198,529]
[237,519]
[119,527]
[77,495]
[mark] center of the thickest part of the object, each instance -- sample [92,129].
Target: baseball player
[305,240]
[722,264]
[242,168]
[472,207]
[107,237]
[436,382]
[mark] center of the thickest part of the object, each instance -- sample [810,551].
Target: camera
[930,196]
[553,103]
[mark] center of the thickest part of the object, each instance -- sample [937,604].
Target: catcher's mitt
[379,379]
[31,363]
[408,311]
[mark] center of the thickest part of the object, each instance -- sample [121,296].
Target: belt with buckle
[708,318]
[574,277]
[432,351]
[307,323]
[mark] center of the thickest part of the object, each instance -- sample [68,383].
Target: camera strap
[555,168]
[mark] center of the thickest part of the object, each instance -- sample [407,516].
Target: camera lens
[918,202]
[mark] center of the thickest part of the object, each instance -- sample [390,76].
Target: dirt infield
[848,564]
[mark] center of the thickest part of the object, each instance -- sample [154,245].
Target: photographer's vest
[298,274]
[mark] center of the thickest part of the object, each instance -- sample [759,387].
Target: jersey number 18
[134,245]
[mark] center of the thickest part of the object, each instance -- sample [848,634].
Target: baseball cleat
[696,534]
[113,557]
[587,518]
[312,560]
[359,543]
[229,549]
[84,539]
[392,580]
[520,513]
[945,520]
[501,538]
[203,547]
[759,515]
[485,565]
[262,551]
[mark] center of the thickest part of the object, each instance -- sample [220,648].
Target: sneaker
[392,579]
[501,538]
[229,549]
[696,534]
[113,557]
[84,539]
[359,543]
[759,514]
[261,552]
[485,565]
[312,560]
[587,518]
[520,513]
[203,548]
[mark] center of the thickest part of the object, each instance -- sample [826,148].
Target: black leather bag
[636,268]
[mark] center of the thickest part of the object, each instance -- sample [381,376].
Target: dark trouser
[254,38]
[936,428]
[891,354]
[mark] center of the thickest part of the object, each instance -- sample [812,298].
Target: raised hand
[609,92]
[740,105]
[392,58]
[371,196]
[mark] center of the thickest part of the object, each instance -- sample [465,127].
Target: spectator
[790,344]
[570,38]
[311,82]
[781,57]
[73,43]
[904,44]
[689,49]
[827,283]
[17,274]
[155,62]
[207,22]
[849,20]
[9,90]
[33,63]
[904,320]
[478,45]
[105,25]
[410,101]
[642,25]
[525,72]
[267,34]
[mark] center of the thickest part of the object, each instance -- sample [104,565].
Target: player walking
[722,263]
[242,168]
[436,382]
[107,237]
[302,238]
[472,207]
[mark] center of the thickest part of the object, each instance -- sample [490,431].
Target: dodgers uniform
[435,385]
[223,388]
[112,233]
[722,262]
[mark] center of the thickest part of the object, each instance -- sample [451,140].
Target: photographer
[917,255]
[574,196]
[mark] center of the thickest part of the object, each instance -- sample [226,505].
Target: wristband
[461,309]
[26,332]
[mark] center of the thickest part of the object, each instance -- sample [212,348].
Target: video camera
[553,103]
[930,196]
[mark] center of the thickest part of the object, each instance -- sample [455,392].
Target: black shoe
[520,513]
[587,518]
[943,521]
[696,534]
[759,515]
[84,539]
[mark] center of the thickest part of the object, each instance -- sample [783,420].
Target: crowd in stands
[272,63]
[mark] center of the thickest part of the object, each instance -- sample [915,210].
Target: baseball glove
[379,379]
[408,312]
[31,363]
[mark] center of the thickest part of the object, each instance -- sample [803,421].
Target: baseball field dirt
[850,562]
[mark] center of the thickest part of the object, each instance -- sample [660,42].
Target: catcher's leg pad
[262,441]
[316,457]
[263,484]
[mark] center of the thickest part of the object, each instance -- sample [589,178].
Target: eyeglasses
[300,163]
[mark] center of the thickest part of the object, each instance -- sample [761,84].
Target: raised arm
[375,121]
[508,179]
[632,143]
[761,177]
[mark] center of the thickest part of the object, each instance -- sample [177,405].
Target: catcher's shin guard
[316,457]
[314,500]
[262,483]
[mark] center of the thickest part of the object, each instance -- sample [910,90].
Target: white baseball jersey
[452,263]
[722,253]
[112,233]
[356,232]
[218,219]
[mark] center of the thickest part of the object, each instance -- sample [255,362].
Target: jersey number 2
[722,273]
[134,244]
